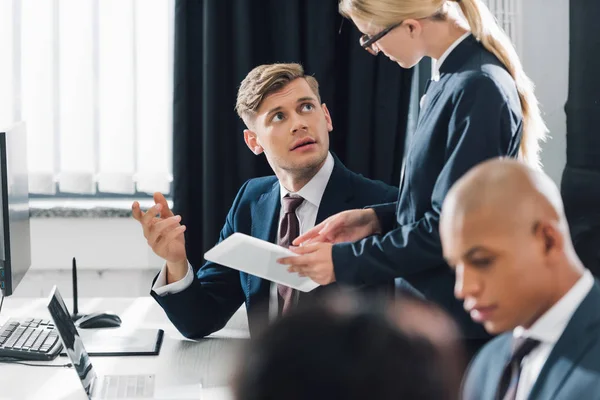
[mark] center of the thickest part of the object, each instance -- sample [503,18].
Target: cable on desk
[6,360]
[1,301]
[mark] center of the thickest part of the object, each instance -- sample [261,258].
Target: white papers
[258,257]
[180,392]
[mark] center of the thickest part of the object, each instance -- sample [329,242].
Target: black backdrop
[217,42]
[581,178]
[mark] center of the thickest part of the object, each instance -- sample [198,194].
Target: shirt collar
[435,75]
[550,326]
[313,190]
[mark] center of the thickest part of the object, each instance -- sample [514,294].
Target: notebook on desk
[121,342]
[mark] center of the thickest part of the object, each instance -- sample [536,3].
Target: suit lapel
[264,221]
[265,218]
[336,196]
[338,192]
[485,373]
[579,335]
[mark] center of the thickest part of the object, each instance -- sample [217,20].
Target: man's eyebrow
[306,98]
[274,110]
[468,254]
[472,251]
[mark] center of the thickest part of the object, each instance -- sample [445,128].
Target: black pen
[75,310]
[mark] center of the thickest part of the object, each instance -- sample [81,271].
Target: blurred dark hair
[351,348]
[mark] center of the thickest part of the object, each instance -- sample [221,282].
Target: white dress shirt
[312,193]
[548,329]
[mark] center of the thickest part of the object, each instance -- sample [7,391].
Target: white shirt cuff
[161,288]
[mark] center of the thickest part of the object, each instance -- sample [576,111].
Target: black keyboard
[29,339]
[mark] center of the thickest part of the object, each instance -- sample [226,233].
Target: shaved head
[506,191]
[503,229]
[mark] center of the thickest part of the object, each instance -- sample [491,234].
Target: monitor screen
[15,245]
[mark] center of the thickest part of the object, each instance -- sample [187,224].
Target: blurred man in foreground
[354,348]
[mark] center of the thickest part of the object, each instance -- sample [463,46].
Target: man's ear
[551,236]
[327,117]
[251,140]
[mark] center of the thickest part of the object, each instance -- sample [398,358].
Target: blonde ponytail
[486,30]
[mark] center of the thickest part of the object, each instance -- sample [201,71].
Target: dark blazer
[572,370]
[471,114]
[217,291]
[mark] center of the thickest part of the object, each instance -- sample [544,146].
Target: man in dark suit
[504,231]
[286,121]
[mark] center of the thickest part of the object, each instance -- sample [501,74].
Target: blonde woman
[479,105]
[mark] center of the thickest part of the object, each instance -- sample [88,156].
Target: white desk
[209,362]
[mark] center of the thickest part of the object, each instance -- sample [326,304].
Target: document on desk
[258,257]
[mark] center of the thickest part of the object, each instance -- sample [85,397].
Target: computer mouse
[99,320]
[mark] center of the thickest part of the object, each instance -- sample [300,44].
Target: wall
[113,257]
[97,243]
[545,56]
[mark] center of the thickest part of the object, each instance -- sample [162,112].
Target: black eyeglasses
[366,41]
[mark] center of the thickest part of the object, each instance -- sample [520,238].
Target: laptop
[122,387]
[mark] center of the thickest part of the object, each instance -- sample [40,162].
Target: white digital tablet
[258,257]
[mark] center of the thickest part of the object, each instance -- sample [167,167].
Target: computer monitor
[15,244]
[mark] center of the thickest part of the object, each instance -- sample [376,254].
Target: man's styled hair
[264,80]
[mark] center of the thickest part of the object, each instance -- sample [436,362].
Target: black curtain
[581,178]
[217,42]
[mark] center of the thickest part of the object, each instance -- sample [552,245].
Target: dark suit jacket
[218,291]
[572,370]
[471,114]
